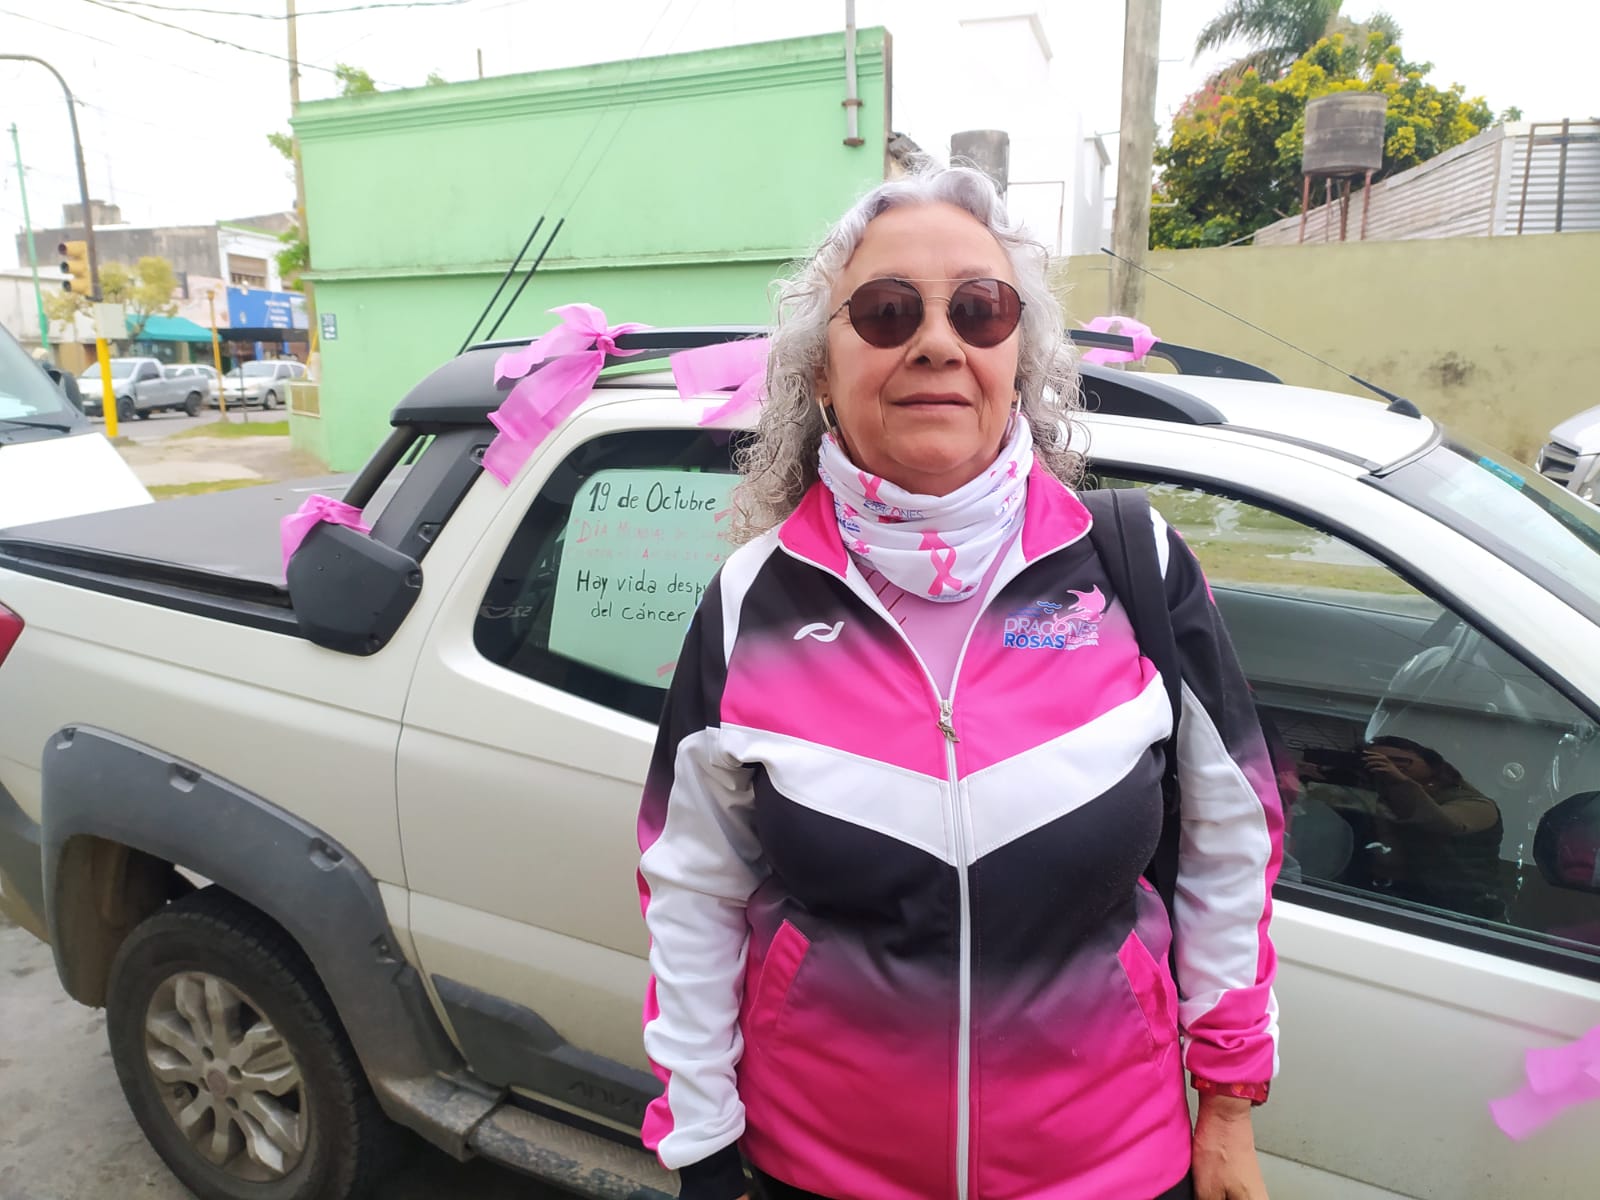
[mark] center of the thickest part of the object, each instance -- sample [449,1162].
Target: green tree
[296,252]
[147,291]
[1280,31]
[1232,161]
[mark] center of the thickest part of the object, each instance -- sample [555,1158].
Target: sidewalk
[183,461]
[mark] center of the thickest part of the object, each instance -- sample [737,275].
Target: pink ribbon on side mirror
[317,510]
[572,353]
[1558,1078]
[740,365]
[1140,333]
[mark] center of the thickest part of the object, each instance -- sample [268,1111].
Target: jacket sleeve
[1231,844]
[699,863]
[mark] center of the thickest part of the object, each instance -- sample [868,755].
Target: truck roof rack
[462,391]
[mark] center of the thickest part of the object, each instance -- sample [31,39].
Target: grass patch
[166,491]
[233,428]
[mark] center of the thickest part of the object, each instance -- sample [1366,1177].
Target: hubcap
[227,1077]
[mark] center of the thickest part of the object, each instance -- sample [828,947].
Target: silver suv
[1572,455]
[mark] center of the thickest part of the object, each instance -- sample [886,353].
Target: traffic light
[75,263]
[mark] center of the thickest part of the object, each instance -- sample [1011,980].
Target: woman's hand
[1225,1166]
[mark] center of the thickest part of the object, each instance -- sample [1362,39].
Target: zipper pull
[946,721]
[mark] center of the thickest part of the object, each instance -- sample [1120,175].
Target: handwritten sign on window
[639,549]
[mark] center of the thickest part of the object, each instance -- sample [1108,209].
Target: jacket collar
[1052,518]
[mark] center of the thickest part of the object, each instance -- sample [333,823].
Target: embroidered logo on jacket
[820,632]
[1046,625]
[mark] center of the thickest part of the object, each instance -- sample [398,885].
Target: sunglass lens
[885,312]
[983,312]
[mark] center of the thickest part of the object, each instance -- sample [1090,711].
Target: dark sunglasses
[886,312]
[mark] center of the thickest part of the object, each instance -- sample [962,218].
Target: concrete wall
[1493,336]
[687,181]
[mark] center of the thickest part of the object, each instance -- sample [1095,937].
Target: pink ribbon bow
[317,510]
[573,353]
[740,365]
[1141,334]
[1558,1078]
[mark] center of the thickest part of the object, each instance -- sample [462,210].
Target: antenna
[1397,404]
[504,279]
[517,295]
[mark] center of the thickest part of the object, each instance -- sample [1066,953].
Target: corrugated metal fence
[1542,177]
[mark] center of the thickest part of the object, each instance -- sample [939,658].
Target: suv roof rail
[462,391]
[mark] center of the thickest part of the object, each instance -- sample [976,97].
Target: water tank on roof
[987,149]
[1344,134]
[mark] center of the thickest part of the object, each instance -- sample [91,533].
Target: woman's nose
[936,341]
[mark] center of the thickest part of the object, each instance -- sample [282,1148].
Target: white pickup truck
[141,388]
[359,845]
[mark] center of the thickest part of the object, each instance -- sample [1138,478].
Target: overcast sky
[174,125]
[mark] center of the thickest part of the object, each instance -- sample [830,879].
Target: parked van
[53,462]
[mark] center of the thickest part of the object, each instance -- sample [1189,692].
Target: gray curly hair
[780,462]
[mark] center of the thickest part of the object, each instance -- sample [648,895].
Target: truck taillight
[10,631]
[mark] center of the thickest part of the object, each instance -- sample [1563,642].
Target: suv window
[595,590]
[1423,765]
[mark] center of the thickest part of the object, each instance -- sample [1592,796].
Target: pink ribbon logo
[870,485]
[572,354]
[740,365]
[317,510]
[1558,1078]
[942,576]
[1141,334]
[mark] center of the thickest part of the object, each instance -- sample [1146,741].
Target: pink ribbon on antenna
[740,365]
[1558,1078]
[317,510]
[572,353]
[1140,333]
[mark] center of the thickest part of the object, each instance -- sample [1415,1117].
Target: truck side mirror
[1566,846]
[350,593]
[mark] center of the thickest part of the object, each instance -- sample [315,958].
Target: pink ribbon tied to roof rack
[571,355]
[1558,1078]
[1141,335]
[740,365]
[316,510]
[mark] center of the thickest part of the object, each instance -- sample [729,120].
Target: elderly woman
[909,775]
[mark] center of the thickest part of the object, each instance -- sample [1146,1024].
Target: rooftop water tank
[1344,134]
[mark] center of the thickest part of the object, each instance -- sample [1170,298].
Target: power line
[206,37]
[314,12]
[117,46]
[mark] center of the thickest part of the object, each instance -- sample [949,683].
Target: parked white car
[1572,455]
[197,370]
[264,382]
[427,838]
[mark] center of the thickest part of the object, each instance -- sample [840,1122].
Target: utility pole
[300,181]
[1130,234]
[33,255]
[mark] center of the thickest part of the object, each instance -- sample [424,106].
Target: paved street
[164,424]
[66,1133]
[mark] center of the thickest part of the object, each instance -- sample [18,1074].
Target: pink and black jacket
[901,945]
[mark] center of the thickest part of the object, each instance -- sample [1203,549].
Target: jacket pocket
[1152,988]
[778,971]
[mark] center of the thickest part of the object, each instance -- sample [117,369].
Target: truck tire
[270,400]
[234,1061]
[125,409]
[191,405]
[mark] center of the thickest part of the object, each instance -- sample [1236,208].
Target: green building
[687,182]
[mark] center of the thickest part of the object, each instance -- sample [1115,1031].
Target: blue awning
[171,329]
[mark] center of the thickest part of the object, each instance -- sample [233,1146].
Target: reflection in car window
[1420,761]
[593,597]
[25,390]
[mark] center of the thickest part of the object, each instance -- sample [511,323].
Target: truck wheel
[125,409]
[270,400]
[234,1062]
[191,406]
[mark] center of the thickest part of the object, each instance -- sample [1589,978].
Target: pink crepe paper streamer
[317,510]
[740,365]
[1141,334]
[1558,1078]
[573,353]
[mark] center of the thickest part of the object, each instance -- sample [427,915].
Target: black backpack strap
[1123,535]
